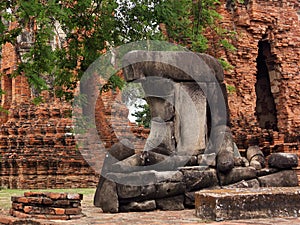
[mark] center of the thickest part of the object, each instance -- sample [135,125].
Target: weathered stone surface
[285,178]
[134,178]
[106,196]
[189,199]
[159,94]
[241,161]
[198,179]
[171,203]
[172,176]
[174,65]
[166,189]
[152,158]
[158,87]
[162,150]
[283,160]
[160,108]
[222,143]
[256,157]
[216,96]
[191,130]
[266,171]
[129,164]
[244,184]
[207,159]
[237,174]
[248,203]
[122,150]
[128,191]
[144,178]
[225,160]
[139,206]
[254,151]
[161,135]
[214,65]
[256,164]
[172,163]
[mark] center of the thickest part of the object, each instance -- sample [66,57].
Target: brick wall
[36,152]
[36,146]
[273,24]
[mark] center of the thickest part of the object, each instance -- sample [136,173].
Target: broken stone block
[170,176]
[285,178]
[256,164]
[135,193]
[171,203]
[223,145]
[128,191]
[266,171]
[237,174]
[152,158]
[225,160]
[122,150]
[283,160]
[166,189]
[244,184]
[207,159]
[138,178]
[189,199]
[241,161]
[138,206]
[199,179]
[129,164]
[233,204]
[190,120]
[256,157]
[106,196]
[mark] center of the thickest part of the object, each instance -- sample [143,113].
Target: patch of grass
[5,194]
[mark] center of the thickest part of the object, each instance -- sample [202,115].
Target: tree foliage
[143,115]
[91,27]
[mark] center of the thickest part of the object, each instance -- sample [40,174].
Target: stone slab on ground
[247,203]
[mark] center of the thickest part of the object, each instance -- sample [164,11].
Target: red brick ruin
[37,150]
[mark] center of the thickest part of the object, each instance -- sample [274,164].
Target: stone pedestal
[247,203]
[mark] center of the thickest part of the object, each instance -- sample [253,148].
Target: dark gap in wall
[265,105]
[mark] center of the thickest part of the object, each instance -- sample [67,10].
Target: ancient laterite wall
[37,147]
[265,86]
[36,150]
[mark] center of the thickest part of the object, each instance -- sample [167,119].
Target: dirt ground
[94,216]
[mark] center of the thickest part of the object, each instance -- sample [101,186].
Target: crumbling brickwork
[264,102]
[37,147]
[264,98]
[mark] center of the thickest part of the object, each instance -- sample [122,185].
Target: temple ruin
[36,144]
[184,153]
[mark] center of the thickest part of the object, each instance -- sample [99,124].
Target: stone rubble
[187,161]
[47,205]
